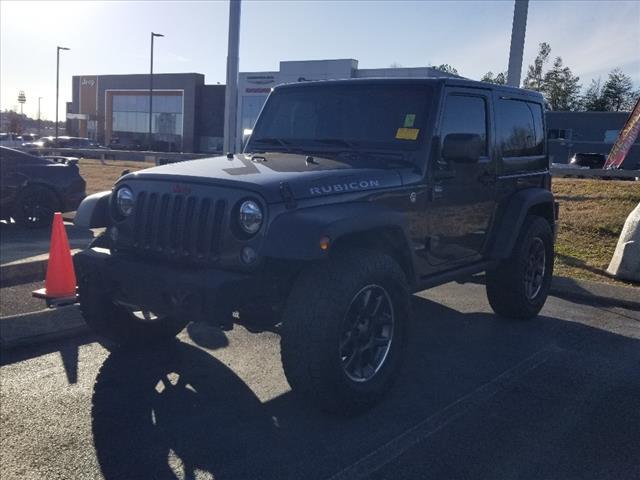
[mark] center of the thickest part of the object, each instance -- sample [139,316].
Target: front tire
[344,330]
[519,287]
[120,326]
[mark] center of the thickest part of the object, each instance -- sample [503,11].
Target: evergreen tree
[500,78]
[593,101]
[561,87]
[618,93]
[535,76]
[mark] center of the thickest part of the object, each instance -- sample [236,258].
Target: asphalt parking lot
[479,397]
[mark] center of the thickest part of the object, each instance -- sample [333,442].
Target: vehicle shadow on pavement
[180,412]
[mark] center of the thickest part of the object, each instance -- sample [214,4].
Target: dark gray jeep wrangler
[349,196]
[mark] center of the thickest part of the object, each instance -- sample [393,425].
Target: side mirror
[463,147]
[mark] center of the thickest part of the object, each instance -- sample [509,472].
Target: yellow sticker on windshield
[409,120]
[407,133]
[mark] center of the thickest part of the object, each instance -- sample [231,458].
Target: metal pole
[151,95]
[39,122]
[153,35]
[57,88]
[58,84]
[518,32]
[231,90]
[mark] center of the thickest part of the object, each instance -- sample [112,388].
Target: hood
[265,174]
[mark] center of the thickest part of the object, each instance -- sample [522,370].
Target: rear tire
[518,288]
[344,329]
[117,324]
[35,207]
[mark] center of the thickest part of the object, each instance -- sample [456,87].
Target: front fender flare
[295,235]
[93,211]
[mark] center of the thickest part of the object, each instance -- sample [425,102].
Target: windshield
[343,117]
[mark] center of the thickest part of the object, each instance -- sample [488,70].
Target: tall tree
[592,100]
[561,87]
[617,92]
[500,78]
[446,68]
[535,75]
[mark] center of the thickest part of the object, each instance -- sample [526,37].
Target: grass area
[101,175]
[592,213]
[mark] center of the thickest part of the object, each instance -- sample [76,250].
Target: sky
[112,37]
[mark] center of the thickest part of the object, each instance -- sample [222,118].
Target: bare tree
[535,75]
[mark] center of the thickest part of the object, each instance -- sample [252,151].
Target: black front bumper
[202,294]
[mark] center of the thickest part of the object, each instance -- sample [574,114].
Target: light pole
[39,122]
[153,35]
[518,31]
[231,90]
[58,84]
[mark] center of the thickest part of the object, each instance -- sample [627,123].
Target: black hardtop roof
[439,81]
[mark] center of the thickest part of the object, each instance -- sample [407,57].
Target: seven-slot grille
[178,226]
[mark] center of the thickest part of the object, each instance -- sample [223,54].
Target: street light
[39,122]
[153,35]
[58,84]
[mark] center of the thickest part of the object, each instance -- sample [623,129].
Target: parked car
[45,144]
[10,140]
[589,160]
[32,188]
[349,196]
[28,137]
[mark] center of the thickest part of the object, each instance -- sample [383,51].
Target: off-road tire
[505,285]
[115,325]
[312,323]
[35,207]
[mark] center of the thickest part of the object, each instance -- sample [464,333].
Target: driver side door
[462,189]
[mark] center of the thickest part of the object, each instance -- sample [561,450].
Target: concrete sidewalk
[24,253]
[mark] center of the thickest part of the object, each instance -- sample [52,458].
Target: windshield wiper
[387,158]
[339,142]
[271,141]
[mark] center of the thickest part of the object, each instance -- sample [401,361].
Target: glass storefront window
[130,120]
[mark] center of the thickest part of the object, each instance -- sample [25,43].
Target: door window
[464,114]
[520,128]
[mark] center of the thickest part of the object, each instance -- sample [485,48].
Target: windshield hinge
[287,195]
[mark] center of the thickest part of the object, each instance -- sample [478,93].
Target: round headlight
[124,201]
[250,216]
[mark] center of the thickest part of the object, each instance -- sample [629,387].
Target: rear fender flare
[518,206]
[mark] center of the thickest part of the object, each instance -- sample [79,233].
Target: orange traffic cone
[60,283]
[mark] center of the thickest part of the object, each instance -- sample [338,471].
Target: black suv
[349,196]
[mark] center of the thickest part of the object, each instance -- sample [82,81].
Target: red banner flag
[625,139]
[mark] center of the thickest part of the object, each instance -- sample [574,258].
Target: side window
[520,128]
[538,123]
[464,114]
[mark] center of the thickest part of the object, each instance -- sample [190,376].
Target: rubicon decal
[344,187]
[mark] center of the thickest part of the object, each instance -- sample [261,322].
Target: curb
[23,272]
[28,329]
[596,293]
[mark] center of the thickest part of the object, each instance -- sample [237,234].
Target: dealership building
[188,115]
